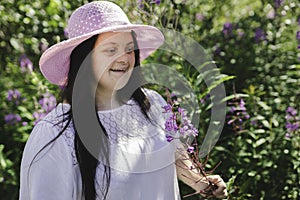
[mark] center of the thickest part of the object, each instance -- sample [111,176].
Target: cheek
[132,59]
[100,65]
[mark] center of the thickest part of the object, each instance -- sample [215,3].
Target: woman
[128,157]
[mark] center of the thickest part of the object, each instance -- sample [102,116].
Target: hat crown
[95,16]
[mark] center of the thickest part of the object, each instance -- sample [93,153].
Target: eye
[110,51]
[129,49]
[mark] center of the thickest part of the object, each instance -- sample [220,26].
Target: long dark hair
[87,162]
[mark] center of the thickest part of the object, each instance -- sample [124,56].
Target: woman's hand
[208,186]
[214,186]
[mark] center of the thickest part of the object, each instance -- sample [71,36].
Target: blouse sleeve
[46,174]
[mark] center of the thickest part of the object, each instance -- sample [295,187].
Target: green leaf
[260,142]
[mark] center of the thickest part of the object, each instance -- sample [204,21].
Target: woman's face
[113,60]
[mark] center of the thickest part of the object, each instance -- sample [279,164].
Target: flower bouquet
[179,127]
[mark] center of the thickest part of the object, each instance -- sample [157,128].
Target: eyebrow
[113,43]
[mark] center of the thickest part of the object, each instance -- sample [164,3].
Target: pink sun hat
[92,19]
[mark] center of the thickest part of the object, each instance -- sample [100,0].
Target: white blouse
[141,160]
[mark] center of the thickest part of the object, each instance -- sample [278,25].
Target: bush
[257,42]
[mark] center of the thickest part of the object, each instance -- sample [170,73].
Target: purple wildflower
[170,124]
[167,108]
[298,35]
[217,52]
[13,95]
[238,113]
[199,17]
[140,4]
[157,2]
[232,109]
[38,116]
[292,126]
[253,122]
[179,122]
[287,136]
[240,33]
[242,105]
[66,33]
[48,102]
[182,112]
[169,138]
[292,120]
[259,35]
[227,29]
[24,123]
[25,63]
[190,149]
[12,118]
[278,3]
[291,111]
[271,14]
[230,121]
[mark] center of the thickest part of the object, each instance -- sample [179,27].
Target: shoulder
[49,127]
[57,116]
[46,132]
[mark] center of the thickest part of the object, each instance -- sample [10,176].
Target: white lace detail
[124,124]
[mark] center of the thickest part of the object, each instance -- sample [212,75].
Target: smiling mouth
[122,70]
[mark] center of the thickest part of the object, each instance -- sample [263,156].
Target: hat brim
[55,61]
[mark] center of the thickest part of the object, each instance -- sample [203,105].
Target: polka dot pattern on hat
[95,16]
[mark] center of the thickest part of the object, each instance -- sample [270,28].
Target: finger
[216,180]
[220,191]
[222,196]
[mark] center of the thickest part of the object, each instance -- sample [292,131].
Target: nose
[124,57]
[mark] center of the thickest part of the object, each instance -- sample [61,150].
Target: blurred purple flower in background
[271,14]
[199,17]
[13,95]
[217,51]
[237,114]
[298,36]
[48,102]
[12,118]
[25,63]
[259,35]
[157,2]
[292,121]
[38,116]
[66,33]
[227,29]
[291,127]
[278,3]
[291,112]
[240,33]
[140,4]
[24,123]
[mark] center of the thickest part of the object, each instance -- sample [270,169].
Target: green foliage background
[259,161]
